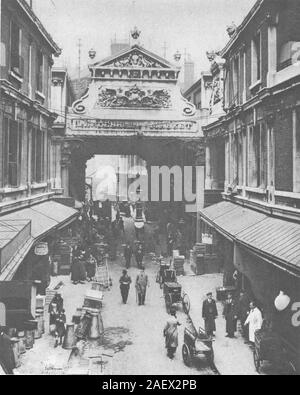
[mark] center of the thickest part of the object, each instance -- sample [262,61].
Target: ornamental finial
[135,33]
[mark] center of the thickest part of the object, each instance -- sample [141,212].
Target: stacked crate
[50,293]
[178,264]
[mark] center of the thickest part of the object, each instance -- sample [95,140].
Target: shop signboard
[207,238]
[41,249]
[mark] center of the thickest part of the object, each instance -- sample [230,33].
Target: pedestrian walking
[53,312]
[141,284]
[242,313]
[170,244]
[121,225]
[7,358]
[254,320]
[125,281]
[171,333]
[230,316]
[209,314]
[139,254]
[128,255]
[60,330]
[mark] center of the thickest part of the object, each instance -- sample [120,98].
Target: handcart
[173,295]
[197,344]
[269,348]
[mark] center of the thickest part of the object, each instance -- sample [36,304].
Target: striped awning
[274,238]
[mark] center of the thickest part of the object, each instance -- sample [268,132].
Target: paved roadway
[133,334]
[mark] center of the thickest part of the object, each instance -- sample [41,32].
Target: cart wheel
[168,300]
[186,304]
[257,361]
[186,355]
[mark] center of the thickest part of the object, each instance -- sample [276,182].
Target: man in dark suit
[128,255]
[209,314]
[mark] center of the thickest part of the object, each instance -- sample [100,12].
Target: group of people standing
[242,310]
[84,266]
[141,285]
[138,252]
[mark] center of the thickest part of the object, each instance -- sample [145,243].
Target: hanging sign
[41,249]
[207,238]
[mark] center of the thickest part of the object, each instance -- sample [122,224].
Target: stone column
[200,187]
[208,176]
[272,50]
[270,118]
[65,168]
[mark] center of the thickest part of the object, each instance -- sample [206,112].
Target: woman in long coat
[78,274]
[171,334]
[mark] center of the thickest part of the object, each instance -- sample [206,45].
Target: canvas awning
[272,238]
[21,229]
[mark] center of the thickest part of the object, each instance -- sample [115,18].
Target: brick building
[253,149]
[28,214]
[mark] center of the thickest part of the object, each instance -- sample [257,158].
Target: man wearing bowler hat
[209,314]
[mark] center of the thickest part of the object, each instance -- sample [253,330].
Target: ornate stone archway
[133,106]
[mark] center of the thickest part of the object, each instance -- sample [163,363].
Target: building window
[236,79]
[12,155]
[258,157]
[37,155]
[296,133]
[240,155]
[40,71]
[289,54]
[16,63]
[254,157]
[256,59]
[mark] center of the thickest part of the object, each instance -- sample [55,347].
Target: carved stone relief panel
[134,97]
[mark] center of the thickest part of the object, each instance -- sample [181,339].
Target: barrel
[70,339]
[22,346]
[29,339]
[15,348]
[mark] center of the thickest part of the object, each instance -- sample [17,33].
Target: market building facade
[253,150]
[28,214]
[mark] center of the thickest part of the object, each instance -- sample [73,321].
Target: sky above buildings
[192,25]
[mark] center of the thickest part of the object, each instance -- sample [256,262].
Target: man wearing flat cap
[209,314]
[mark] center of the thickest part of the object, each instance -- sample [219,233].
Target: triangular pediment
[135,57]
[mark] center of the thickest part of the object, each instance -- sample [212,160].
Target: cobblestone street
[133,334]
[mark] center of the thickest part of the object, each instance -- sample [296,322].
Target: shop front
[261,257]
[27,244]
